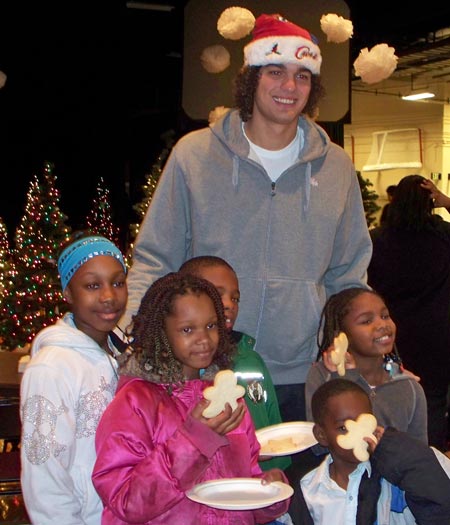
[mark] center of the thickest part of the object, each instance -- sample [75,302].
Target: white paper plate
[299,432]
[239,493]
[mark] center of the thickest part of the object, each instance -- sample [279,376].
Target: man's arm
[163,239]
[352,248]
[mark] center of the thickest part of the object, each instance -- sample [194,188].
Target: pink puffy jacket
[150,452]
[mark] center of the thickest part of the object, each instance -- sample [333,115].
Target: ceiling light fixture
[418,96]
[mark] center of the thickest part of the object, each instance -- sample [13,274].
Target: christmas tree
[152,180]
[35,299]
[99,219]
[5,260]
[369,198]
[7,277]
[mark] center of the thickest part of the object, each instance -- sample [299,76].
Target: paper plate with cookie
[286,438]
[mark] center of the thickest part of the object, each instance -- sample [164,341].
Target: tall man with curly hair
[266,189]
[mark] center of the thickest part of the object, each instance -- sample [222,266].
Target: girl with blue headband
[71,378]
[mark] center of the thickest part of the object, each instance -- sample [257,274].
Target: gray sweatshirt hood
[228,130]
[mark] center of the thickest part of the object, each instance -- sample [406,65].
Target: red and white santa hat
[278,41]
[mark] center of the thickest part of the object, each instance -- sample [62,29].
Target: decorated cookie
[338,354]
[364,426]
[278,445]
[225,390]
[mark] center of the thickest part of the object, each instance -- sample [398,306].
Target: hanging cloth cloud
[337,28]
[375,65]
[215,59]
[216,113]
[2,79]
[235,22]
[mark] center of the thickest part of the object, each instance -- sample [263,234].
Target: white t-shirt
[276,162]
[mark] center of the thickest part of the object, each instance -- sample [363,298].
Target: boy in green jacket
[249,367]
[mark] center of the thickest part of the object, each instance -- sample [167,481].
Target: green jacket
[260,395]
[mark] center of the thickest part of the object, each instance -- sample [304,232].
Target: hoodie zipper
[273,192]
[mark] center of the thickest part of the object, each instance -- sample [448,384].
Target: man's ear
[320,435]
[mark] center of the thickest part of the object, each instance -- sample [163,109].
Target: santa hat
[278,41]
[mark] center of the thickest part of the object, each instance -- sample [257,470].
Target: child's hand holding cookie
[340,344]
[336,358]
[225,390]
[226,421]
[357,433]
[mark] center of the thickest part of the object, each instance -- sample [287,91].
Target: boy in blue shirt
[404,481]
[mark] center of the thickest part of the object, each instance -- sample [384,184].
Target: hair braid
[333,314]
[152,354]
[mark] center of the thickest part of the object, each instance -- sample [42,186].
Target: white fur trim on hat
[283,50]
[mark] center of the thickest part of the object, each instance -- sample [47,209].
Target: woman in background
[410,268]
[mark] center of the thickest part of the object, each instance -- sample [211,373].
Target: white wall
[371,113]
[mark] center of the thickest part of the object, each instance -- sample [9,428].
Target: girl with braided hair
[398,399]
[153,444]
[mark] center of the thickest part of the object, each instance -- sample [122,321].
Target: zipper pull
[273,192]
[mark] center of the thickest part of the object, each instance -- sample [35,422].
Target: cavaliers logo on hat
[278,41]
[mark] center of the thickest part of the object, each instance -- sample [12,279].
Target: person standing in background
[265,189]
[410,268]
[390,190]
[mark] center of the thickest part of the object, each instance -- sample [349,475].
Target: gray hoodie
[292,243]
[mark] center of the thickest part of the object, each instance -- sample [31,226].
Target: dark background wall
[92,85]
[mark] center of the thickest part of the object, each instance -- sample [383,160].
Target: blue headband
[79,252]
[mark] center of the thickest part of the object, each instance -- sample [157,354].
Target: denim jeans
[291,400]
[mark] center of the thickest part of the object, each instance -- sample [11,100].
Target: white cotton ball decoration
[3,78]
[215,59]
[235,22]
[337,28]
[216,113]
[375,65]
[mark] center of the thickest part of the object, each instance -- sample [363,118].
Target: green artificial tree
[5,260]
[35,299]
[150,185]
[6,266]
[369,198]
[7,278]
[100,219]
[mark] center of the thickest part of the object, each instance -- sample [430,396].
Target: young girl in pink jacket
[153,444]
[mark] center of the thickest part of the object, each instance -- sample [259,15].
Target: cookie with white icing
[363,427]
[225,390]
[338,354]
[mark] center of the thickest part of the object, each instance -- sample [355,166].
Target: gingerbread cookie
[278,445]
[225,390]
[364,426]
[338,354]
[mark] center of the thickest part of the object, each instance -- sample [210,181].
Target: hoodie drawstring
[307,188]
[235,174]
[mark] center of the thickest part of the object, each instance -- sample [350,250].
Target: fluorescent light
[418,96]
